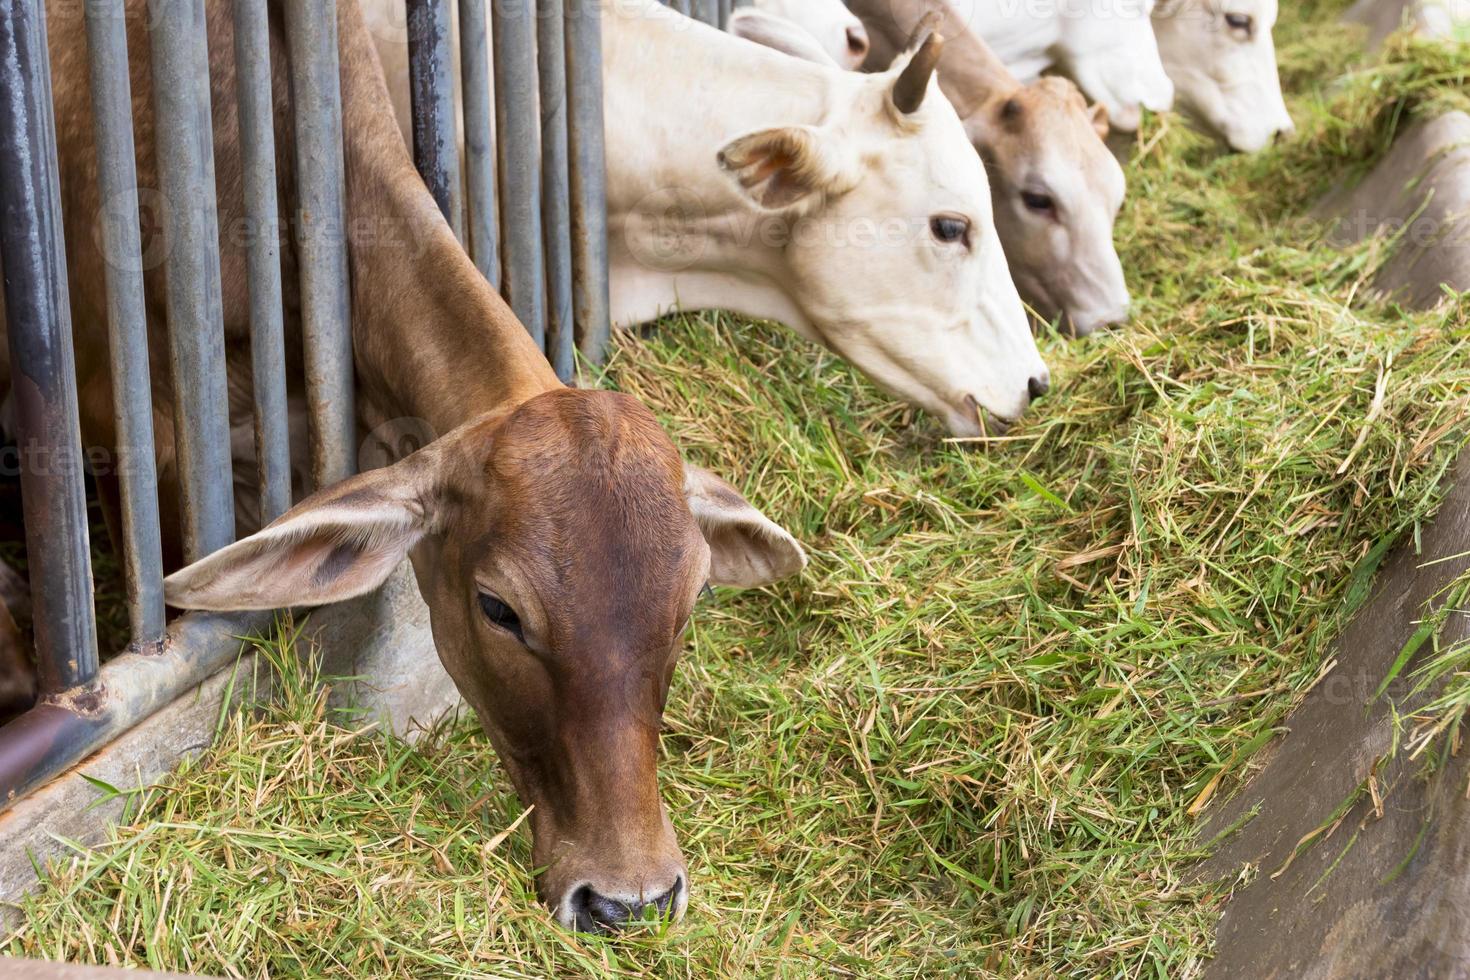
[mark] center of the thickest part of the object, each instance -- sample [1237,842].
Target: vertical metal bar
[518,143]
[431,96]
[311,34]
[555,189]
[181,99]
[267,324]
[726,8]
[588,178]
[479,139]
[705,11]
[127,318]
[43,372]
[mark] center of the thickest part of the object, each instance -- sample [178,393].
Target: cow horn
[913,81]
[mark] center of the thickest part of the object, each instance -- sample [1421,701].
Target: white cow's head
[888,247]
[1222,59]
[841,34]
[1108,48]
[779,34]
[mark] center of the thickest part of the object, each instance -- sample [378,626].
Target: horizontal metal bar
[518,142]
[588,177]
[42,367]
[267,320]
[479,139]
[311,32]
[555,188]
[127,318]
[185,151]
[431,97]
[57,734]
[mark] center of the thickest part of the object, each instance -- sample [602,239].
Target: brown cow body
[556,535]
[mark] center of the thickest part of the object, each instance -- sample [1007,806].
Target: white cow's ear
[787,167]
[1097,114]
[747,549]
[336,544]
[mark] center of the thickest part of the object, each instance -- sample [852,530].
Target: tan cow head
[1057,190]
[560,547]
[1222,59]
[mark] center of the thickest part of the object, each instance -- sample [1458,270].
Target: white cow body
[1222,59]
[839,33]
[842,245]
[1106,46]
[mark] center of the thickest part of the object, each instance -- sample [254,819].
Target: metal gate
[534,223]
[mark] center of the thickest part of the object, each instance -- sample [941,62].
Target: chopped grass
[972,739]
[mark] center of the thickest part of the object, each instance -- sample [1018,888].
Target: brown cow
[556,535]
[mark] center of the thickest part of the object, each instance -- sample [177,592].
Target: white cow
[840,34]
[850,207]
[1106,46]
[779,33]
[1222,60]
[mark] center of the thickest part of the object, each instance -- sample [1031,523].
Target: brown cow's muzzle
[605,884]
[601,830]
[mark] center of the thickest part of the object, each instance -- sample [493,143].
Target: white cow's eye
[950,228]
[1241,22]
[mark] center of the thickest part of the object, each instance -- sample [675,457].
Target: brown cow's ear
[786,167]
[747,549]
[1097,114]
[336,544]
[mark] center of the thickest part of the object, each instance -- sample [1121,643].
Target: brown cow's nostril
[596,913]
[857,40]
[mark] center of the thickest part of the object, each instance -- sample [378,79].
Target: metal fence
[533,218]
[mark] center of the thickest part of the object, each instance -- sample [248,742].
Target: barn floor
[977,735]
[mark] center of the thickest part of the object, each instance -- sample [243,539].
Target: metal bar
[431,96]
[127,317]
[267,322]
[52,737]
[518,144]
[555,188]
[479,139]
[726,7]
[181,99]
[42,367]
[311,32]
[705,11]
[588,177]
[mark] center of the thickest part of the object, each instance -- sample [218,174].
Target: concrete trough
[1381,889]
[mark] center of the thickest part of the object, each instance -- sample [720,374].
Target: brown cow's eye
[501,615]
[1039,202]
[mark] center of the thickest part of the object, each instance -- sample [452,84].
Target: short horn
[913,81]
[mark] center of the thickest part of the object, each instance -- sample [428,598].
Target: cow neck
[432,339]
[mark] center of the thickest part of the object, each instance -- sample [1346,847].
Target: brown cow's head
[560,547]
